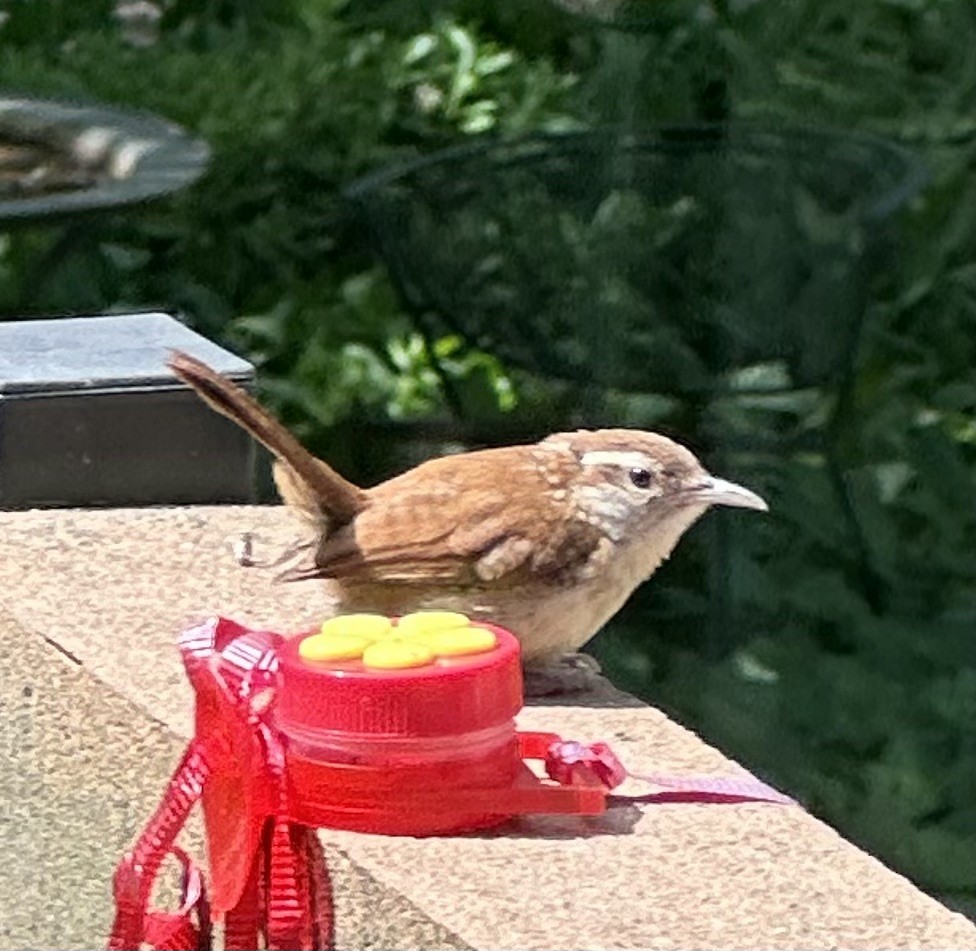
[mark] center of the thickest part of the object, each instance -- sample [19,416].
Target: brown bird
[548,540]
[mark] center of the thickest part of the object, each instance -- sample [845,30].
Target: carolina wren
[548,540]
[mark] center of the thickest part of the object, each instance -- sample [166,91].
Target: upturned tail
[305,482]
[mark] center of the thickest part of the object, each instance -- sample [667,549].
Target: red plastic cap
[451,696]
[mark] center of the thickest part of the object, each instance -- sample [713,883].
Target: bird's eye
[640,477]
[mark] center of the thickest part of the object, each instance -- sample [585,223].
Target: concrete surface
[94,711]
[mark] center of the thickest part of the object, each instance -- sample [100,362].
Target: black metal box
[90,416]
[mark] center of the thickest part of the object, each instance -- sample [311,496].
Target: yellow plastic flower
[414,641]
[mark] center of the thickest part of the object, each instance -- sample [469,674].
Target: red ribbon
[563,757]
[287,899]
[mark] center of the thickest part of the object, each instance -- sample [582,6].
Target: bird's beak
[712,491]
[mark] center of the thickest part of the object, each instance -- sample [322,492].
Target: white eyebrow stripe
[609,457]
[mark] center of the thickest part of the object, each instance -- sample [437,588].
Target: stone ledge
[110,589]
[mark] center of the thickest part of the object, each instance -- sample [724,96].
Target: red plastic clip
[564,757]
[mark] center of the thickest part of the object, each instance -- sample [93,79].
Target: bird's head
[643,489]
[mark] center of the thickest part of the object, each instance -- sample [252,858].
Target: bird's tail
[306,483]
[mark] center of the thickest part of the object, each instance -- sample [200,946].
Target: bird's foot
[571,673]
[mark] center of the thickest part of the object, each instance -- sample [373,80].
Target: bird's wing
[472,519]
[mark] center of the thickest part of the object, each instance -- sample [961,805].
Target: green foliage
[265,252]
[831,645]
[842,659]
